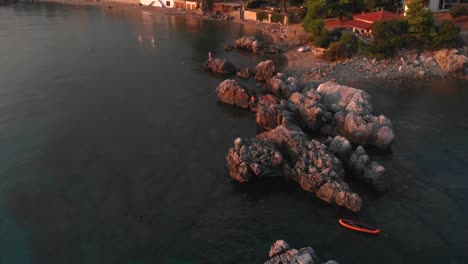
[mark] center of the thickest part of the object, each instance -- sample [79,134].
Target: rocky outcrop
[244,73]
[272,112]
[264,70]
[353,116]
[248,43]
[220,66]
[230,92]
[345,98]
[451,60]
[251,158]
[367,170]
[312,166]
[282,87]
[358,162]
[281,253]
[365,129]
[311,112]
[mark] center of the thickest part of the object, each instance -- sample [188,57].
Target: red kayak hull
[353,225]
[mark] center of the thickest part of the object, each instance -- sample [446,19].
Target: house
[158,3]
[189,5]
[362,23]
[435,5]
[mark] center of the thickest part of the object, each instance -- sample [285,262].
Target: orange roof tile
[376,16]
[357,24]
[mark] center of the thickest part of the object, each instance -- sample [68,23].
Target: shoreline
[135,4]
[308,66]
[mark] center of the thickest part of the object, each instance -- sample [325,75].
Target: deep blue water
[113,151]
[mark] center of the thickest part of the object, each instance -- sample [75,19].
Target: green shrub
[389,36]
[346,47]
[447,35]
[262,16]
[255,4]
[459,10]
[420,22]
[319,34]
[277,18]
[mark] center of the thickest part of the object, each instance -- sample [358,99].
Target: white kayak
[302,49]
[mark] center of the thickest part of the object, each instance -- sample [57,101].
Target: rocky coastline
[282,253]
[312,135]
[407,64]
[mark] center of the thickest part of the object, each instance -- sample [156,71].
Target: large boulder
[311,112]
[367,170]
[264,70]
[248,43]
[353,116]
[272,112]
[283,254]
[230,92]
[358,162]
[280,246]
[283,88]
[220,66]
[251,158]
[244,73]
[451,60]
[340,97]
[312,166]
[365,129]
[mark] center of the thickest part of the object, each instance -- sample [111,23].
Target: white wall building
[158,3]
[436,5]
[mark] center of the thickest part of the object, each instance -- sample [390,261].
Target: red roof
[376,16]
[356,24]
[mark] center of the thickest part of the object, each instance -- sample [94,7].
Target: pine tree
[420,21]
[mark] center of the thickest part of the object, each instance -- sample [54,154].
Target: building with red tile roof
[362,22]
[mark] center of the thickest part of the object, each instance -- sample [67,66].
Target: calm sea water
[113,151]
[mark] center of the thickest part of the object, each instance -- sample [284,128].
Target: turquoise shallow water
[113,151]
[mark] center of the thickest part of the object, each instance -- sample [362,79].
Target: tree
[339,9]
[420,21]
[447,35]
[315,9]
[320,35]
[389,36]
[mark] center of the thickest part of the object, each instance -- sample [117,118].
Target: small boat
[303,49]
[359,226]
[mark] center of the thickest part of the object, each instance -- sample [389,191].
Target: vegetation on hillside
[417,30]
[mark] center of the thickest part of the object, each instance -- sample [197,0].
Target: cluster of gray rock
[408,64]
[282,253]
[341,119]
[254,45]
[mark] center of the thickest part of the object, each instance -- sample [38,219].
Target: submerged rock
[251,158]
[264,70]
[286,255]
[244,73]
[312,166]
[451,60]
[230,92]
[358,162]
[248,43]
[220,66]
